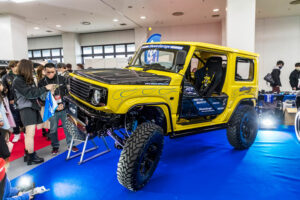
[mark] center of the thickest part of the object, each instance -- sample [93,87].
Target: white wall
[13,40]
[277,39]
[45,42]
[19,38]
[113,37]
[85,39]
[106,63]
[141,36]
[71,48]
[240,24]
[208,33]
[6,51]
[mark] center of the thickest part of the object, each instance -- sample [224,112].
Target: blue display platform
[202,166]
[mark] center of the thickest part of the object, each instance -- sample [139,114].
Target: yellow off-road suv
[168,89]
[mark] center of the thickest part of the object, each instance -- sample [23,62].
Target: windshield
[157,57]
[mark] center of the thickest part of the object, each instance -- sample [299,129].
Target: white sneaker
[16,138]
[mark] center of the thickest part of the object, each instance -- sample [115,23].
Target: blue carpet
[202,166]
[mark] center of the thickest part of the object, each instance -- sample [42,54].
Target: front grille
[84,91]
[80,89]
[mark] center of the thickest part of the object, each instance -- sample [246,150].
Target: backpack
[269,78]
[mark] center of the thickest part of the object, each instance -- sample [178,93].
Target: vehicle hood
[124,77]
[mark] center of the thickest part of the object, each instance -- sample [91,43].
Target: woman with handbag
[26,98]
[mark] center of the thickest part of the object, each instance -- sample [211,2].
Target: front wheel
[243,127]
[140,156]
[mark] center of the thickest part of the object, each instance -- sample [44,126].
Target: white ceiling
[46,14]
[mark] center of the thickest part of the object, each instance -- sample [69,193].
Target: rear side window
[244,69]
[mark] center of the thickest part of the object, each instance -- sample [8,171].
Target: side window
[244,69]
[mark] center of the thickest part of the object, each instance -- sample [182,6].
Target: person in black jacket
[7,83]
[26,98]
[276,76]
[294,77]
[52,77]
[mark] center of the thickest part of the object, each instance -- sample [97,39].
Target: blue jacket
[10,192]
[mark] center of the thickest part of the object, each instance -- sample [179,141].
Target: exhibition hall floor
[201,166]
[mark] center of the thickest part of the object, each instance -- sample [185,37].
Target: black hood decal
[124,77]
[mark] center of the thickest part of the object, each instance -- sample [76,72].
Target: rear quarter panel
[233,88]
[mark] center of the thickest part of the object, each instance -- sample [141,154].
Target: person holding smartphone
[51,77]
[26,98]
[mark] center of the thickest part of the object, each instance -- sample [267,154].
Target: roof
[207,45]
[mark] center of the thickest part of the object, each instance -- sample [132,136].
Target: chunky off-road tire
[243,127]
[140,156]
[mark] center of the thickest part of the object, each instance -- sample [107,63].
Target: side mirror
[129,59]
[180,60]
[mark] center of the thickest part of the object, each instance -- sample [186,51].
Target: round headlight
[96,97]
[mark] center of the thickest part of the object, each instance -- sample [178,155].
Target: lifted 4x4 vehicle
[168,89]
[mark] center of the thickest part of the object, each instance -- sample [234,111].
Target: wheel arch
[160,109]
[248,101]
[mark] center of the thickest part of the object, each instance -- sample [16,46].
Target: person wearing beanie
[294,77]
[7,192]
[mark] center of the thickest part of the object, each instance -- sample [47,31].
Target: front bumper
[89,120]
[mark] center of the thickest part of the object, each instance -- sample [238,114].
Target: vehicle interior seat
[209,77]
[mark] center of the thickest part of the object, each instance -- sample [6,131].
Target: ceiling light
[143,17]
[115,20]
[177,14]
[216,10]
[86,23]
[36,28]
[58,26]
[295,2]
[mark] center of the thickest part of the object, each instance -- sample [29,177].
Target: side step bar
[177,134]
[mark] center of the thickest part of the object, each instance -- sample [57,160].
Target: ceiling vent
[177,14]
[86,23]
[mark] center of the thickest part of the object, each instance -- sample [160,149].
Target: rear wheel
[140,156]
[243,127]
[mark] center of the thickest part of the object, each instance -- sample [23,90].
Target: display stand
[84,150]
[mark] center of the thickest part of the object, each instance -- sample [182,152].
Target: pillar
[71,48]
[13,38]
[240,24]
